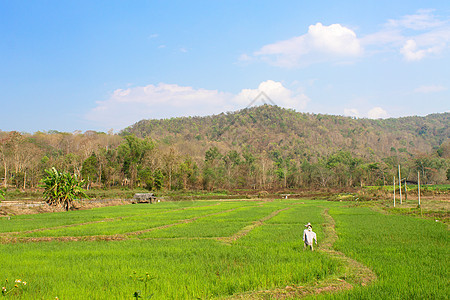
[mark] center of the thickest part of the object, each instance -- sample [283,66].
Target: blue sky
[101,65]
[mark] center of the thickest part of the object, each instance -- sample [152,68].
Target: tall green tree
[89,170]
[158,179]
[188,172]
[213,171]
[132,153]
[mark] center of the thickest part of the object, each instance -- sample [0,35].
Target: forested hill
[267,128]
[264,147]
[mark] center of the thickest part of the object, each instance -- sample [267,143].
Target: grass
[411,187]
[409,255]
[189,259]
[48,220]
[191,267]
[147,218]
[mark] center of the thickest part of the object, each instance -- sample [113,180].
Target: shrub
[61,188]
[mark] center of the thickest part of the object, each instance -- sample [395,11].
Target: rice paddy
[224,250]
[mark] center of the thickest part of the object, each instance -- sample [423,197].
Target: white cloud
[127,106]
[277,93]
[411,52]
[351,112]
[377,113]
[365,110]
[334,39]
[422,20]
[320,43]
[245,57]
[430,89]
[415,36]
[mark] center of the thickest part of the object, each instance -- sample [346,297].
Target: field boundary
[5,239]
[10,233]
[356,273]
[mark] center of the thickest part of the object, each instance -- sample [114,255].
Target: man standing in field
[309,236]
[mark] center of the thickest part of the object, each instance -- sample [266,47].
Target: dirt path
[354,273]
[11,233]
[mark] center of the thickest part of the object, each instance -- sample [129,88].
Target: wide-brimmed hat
[309,224]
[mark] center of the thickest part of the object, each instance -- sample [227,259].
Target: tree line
[106,160]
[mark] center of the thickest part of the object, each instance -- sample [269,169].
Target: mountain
[267,127]
[264,147]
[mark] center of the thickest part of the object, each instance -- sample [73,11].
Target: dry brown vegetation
[262,148]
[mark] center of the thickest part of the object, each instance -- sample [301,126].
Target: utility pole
[394,191]
[400,183]
[418,186]
[406,190]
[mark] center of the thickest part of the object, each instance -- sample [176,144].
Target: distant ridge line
[262,95]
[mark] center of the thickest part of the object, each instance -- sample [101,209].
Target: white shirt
[309,236]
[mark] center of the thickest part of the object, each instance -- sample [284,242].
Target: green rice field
[231,249]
